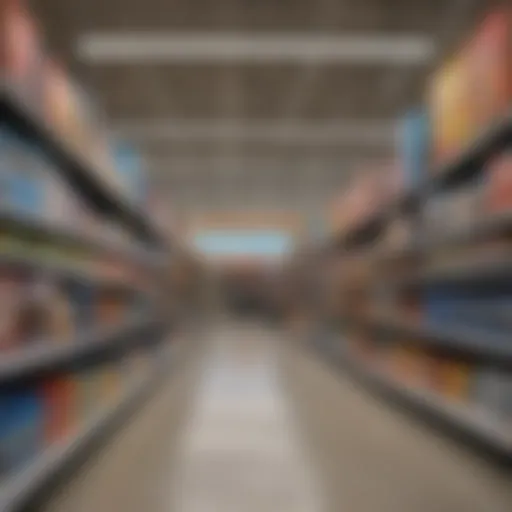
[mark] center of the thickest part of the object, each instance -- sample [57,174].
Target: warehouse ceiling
[255,103]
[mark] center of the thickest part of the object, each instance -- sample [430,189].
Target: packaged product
[61,325]
[473,89]
[22,175]
[58,100]
[455,378]
[130,169]
[57,399]
[414,148]
[21,432]
[450,109]
[498,193]
[490,68]
[20,53]
[492,391]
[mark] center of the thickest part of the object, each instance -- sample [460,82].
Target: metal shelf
[472,272]
[488,430]
[32,362]
[19,489]
[470,160]
[92,244]
[462,340]
[74,168]
[62,270]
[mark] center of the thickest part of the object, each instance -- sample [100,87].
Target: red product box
[490,68]
[498,196]
[59,415]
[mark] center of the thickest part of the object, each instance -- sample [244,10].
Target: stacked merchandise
[36,416]
[75,275]
[435,323]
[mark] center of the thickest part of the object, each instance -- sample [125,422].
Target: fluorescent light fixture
[204,47]
[372,132]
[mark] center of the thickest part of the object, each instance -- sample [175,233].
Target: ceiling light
[222,47]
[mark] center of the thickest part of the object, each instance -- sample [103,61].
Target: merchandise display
[474,88]
[424,298]
[83,292]
[38,416]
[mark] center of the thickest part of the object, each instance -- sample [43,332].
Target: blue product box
[129,166]
[22,189]
[21,429]
[415,147]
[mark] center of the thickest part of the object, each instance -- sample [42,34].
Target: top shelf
[471,159]
[76,170]
[465,166]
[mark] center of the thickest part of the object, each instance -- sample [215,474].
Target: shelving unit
[87,274]
[460,340]
[22,487]
[75,169]
[36,362]
[489,432]
[406,305]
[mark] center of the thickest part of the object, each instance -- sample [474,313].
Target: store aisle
[252,423]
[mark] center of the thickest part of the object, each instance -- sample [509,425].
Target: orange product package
[58,413]
[498,193]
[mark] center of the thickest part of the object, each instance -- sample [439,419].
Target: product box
[474,88]
[498,185]
[454,379]
[450,110]
[130,169]
[23,315]
[414,149]
[22,176]
[21,432]
[490,68]
[492,390]
[20,53]
[57,399]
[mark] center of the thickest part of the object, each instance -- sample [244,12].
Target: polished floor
[248,422]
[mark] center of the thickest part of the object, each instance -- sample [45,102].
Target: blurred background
[254,254]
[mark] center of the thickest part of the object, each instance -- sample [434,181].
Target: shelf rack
[74,168]
[467,164]
[488,431]
[148,249]
[462,341]
[43,229]
[21,488]
[37,361]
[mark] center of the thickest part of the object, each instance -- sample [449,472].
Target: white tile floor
[253,424]
[240,450]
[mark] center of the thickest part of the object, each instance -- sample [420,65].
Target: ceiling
[252,133]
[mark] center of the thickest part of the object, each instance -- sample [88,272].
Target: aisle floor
[249,422]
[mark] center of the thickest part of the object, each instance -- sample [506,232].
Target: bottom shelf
[489,431]
[18,490]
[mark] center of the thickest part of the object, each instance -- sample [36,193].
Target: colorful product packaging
[474,88]
[20,53]
[22,176]
[21,420]
[415,148]
[498,193]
